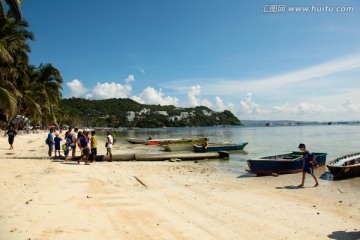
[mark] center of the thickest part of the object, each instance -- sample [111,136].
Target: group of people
[77,139]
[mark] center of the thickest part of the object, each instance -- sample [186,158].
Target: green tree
[14,10]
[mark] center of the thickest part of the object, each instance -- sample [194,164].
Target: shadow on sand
[291,187]
[342,235]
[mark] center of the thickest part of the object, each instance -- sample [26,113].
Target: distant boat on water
[283,163]
[347,166]
[216,147]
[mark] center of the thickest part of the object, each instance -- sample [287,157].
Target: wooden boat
[216,147]
[136,140]
[176,141]
[283,163]
[347,166]
[178,147]
[163,157]
[161,141]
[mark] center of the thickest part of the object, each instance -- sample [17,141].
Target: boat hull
[136,140]
[177,141]
[283,163]
[347,166]
[216,147]
[179,147]
[344,172]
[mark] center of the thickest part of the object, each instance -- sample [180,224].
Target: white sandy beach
[42,199]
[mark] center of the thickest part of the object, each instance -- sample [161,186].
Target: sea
[335,140]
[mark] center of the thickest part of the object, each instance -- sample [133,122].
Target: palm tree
[14,10]
[45,89]
[14,59]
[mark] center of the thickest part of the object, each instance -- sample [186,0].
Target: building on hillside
[144,111]
[104,117]
[130,116]
[162,113]
[207,113]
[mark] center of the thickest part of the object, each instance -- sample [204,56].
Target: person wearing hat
[309,160]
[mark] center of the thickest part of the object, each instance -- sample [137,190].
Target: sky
[262,60]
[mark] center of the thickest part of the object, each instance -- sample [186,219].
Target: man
[109,141]
[93,146]
[50,141]
[74,139]
[309,160]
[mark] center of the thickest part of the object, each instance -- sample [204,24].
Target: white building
[144,111]
[130,116]
[162,113]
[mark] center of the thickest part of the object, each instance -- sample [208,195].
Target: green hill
[114,112]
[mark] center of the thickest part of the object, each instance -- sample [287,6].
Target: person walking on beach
[109,141]
[50,142]
[93,146]
[309,160]
[57,141]
[11,136]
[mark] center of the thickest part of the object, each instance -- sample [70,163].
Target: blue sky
[258,59]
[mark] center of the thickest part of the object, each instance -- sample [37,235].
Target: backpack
[47,141]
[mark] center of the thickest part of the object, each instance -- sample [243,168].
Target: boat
[136,140]
[216,147]
[283,163]
[163,156]
[178,147]
[347,166]
[177,141]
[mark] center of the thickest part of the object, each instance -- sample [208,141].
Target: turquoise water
[336,140]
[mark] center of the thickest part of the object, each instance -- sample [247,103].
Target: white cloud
[248,107]
[194,97]
[219,104]
[349,106]
[110,90]
[76,88]
[130,79]
[307,108]
[151,96]
[284,84]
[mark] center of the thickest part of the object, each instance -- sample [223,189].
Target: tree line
[25,89]
[113,112]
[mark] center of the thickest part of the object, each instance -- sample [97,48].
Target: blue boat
[216,147]
[283,163]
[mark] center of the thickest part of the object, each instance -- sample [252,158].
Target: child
[67,149]
[309,160]
[11,135]
[57,141]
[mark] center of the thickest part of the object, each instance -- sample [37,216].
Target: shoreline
[43,199]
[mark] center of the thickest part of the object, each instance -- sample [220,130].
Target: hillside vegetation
[112,113]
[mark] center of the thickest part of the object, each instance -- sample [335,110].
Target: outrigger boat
[217,147]
[347,166]
[283,163]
